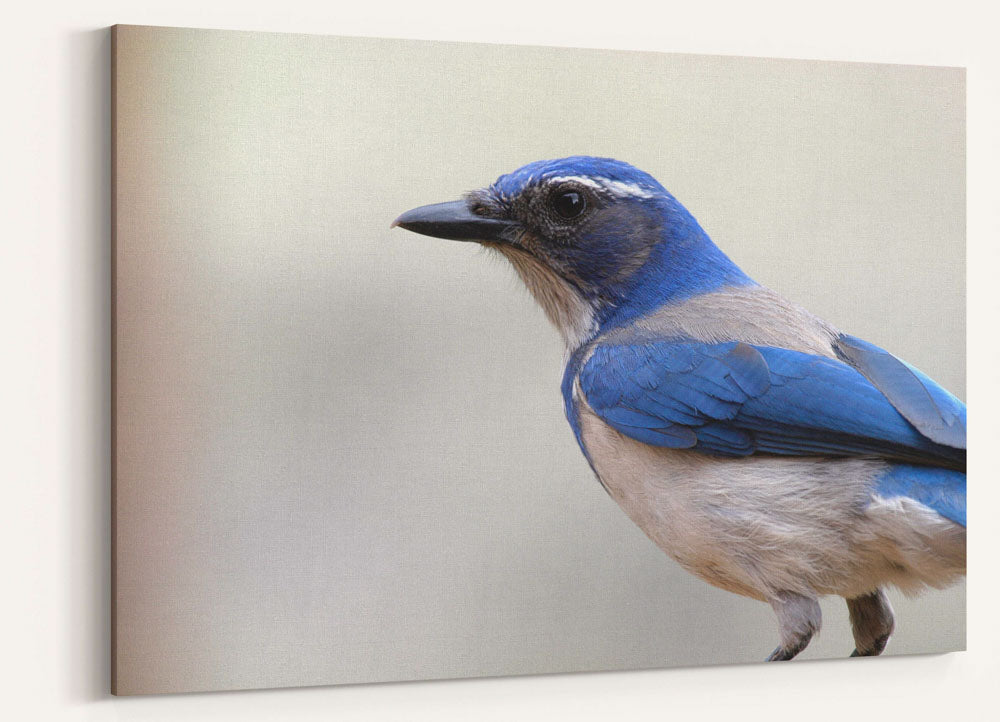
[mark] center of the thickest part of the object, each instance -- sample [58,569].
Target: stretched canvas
[341,449]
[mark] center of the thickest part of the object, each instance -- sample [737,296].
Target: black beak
[455,222]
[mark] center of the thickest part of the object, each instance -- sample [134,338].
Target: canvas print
[442,360]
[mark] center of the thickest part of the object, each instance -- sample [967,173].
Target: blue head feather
[532,174]
[642,249]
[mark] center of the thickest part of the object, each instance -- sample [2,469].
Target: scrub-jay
[767,452]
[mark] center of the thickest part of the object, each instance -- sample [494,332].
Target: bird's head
[595,240]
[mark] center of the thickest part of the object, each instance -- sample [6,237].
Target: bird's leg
[872,622]
[799,618]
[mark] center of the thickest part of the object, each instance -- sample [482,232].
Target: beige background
[341,452]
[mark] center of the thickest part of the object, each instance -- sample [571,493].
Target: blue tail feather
[943,490]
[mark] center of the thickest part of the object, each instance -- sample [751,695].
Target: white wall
[54,282]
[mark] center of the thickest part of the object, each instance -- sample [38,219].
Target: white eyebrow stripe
[581,179]
[614,187]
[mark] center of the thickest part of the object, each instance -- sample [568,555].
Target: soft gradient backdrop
[341,454]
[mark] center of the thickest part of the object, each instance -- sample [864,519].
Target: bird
[764,450]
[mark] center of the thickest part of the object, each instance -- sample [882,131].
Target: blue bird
[765,451]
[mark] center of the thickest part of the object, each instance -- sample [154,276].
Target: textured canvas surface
[340,452]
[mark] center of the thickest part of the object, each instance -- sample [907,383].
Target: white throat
[568,311]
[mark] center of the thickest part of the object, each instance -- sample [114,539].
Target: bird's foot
[872,623]
[799,618]
[783,654]
[874,650]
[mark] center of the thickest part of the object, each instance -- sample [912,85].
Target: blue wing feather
[936,413]
[734,399]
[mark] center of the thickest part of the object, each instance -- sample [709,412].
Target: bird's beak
[455,222]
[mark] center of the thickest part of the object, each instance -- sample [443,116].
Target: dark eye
[569,204]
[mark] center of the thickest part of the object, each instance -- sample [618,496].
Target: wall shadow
[87,135]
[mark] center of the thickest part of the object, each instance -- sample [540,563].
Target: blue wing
[733,399]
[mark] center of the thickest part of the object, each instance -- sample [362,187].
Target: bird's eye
[569,204]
